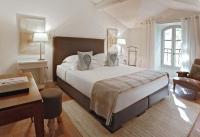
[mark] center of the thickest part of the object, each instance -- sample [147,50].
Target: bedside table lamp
[40,37]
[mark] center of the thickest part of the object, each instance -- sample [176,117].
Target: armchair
[189,80]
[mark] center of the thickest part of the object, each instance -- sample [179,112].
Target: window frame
[173,27]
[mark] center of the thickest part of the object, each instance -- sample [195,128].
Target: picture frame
[27,25]
[112,36]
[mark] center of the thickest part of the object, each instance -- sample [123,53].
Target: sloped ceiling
[58,14]
[132,12]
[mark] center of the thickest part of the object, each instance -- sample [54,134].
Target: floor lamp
[40,37]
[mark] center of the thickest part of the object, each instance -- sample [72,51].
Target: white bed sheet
[84,81]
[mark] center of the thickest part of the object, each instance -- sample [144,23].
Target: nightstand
[38,69]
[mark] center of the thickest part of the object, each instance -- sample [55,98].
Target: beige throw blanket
[105,92]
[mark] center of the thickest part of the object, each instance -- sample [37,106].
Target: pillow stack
[85,60]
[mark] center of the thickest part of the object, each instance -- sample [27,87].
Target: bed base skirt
[119,118]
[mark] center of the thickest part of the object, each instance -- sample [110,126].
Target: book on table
[14,85]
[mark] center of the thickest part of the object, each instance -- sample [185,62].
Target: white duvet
[84,81]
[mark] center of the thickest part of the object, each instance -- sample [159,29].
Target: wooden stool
[52,100]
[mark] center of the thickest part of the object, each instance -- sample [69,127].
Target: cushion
[51,93]
[195,72]
[112,59]
[197,61]
[85,59]
[187,83]
[99,59]
[71,59]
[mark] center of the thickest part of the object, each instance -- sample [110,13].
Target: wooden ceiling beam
[108,3]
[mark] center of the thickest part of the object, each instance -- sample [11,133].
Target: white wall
[8,45]
[75,18]
[137,37]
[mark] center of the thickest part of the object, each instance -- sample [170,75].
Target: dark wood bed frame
[66,46]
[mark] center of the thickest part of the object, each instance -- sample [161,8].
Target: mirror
[27,25]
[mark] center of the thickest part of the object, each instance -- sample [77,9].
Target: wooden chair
[189,80]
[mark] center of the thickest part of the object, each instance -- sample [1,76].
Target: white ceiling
[131,12]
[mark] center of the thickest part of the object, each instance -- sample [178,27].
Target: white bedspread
[84,81]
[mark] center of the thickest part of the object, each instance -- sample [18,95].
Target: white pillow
[70,66]
[99,59]
[71,59]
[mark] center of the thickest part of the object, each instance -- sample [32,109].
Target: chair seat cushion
[51,93]
[187,82]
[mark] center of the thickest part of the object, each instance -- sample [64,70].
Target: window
[171,46]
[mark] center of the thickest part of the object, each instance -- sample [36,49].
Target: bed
[79,84]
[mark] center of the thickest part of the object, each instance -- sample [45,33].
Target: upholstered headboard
[66,46]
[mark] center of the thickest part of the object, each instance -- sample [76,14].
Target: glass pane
[177,60]
[178,44]
[167,50]
[177,51]
[168,34]
[178,34]
[167,59]
[168,44]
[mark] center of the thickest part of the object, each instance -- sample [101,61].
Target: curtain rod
[177,20]
[173,20]
[168,21]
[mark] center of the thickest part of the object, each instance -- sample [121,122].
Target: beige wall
[75,18]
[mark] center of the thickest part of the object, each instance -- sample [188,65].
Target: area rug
[172,117]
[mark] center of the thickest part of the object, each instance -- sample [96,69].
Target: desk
[30,65]
[23,106]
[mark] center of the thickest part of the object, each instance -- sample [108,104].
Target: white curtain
[148,56]
[191,41]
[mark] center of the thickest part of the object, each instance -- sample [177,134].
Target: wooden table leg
[39,122]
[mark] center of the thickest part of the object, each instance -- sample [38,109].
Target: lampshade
[40,37]
[121,41]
